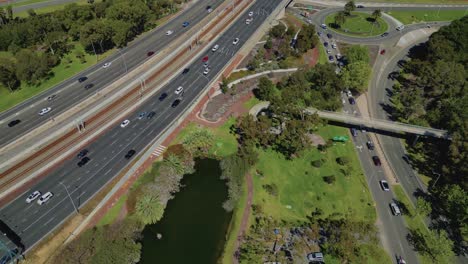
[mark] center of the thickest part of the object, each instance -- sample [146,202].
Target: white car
[169,32]
[179,90]
[250,13]
[338,56]
[45,111]
[215,48]
[33,196]
[106,65]
[328,51]
[384,185]
[349,93]
[236,40]
[125,123]
[248,20]
[399,28]
[323,26]
[333,45]
[44,198]
[206,71]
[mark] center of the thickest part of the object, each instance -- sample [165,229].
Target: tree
[357,53]
[224,85]
[148,208]
[349,7]
[31,66]
[266,89]
[434,243]
[268,44]
[199,142]
[278,31]
[7,75]
[376,14]
[423,207]
[343,160]
[329,179]
[356,76]
[340,18]
[31,12]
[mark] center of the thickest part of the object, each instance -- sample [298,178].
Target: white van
[395,209]
[401,27]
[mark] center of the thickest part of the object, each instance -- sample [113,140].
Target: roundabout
[357,24]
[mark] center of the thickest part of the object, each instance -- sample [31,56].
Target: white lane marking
[50,220]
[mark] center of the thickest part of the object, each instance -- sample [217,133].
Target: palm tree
[340,18]
[350,6]
[376,14]
[148,208]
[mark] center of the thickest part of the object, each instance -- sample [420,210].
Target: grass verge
[358,25]
[409,17]
[322,54]
[69,66]
[113,213]
[251,102]
[47,9]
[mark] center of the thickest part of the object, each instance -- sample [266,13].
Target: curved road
[71,92]
[32,222]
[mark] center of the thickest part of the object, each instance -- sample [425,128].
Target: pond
[194,225]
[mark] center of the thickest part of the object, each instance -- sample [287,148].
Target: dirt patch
[311,57]
[316,139]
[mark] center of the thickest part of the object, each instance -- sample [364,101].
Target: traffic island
[357,24]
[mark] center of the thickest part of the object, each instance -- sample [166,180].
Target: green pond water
[194,225]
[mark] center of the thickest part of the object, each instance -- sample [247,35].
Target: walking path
[245,218]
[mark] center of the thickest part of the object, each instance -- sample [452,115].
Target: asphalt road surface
[71,92]
[32,221]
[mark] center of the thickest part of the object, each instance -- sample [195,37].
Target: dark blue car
[185,24]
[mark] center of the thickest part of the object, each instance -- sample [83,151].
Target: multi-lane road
[71,92]
[107,154]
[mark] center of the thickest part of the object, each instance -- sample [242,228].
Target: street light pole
[76,209]
[438,176]
[123,57]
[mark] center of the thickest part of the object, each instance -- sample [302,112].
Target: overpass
[368,122]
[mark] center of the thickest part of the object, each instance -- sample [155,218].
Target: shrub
[343,160]
[329,179]
[271,189]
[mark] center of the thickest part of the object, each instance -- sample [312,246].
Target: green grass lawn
[46,9]
[27,2]
[113,213]
[408,17]
[323,59]
[61,72]
[251,102]
[301,188]
[357,25]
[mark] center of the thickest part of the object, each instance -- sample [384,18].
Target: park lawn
[27,2]
[409,17]
[302,189]
[113,212]
[251,102]
[357,25]
[48,9]
[225,143]
[60,73]
[323,58]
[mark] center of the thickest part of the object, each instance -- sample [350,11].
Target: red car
[205,59]
[382,52]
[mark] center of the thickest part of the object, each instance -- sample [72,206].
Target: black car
[82,153]
[360,6]
[354,132]
[14,123]
[325,44]
[150,53]
[89,86]
[185,71]
[370,145]
[329,35]
[130,153]
[376,161]
[82,79]
[330,58]
[352,101]
[150,115]
[162,96]
[175,103]
[384,34]
[52,97]
[83,161]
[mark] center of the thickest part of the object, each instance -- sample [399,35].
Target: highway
[32,222]
[71,92]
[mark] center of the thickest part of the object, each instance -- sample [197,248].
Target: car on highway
[125,123]
[141,115]
[329,36]
[325,44]
[351,100]
[51,98]
[205,65]
[333,45]
[382,52]
[186,24]
[206,71]
[162,97]
[169,32]
[400,28]
[359,6]
[250,13]
[14,122]
[83,161]
[406,158]
[338,56]
[150,115]
[348,93]
[330,58]
[82,153]
[248,20]
[323,26]
[33,196]
[179,90]
[354,132]
[44,198]
[215,48]
[107,65]
[384,185]
[82,79]
[235,41]
[209,9]
[89,86]
[150,53]
[395,209]
[370,145]
[45,110]
[175,103]
[130,154]
[376,161]
[186,70]
[384,34]
[328,51]
[205,59]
